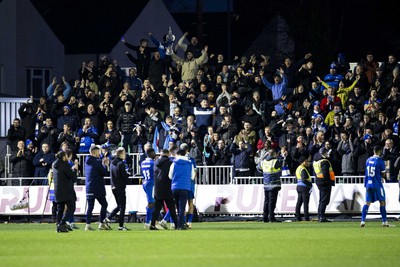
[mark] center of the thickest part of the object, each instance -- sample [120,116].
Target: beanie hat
[28,142]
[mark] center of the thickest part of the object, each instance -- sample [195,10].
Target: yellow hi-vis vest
[51,195]
[318,171]
[298,173]
[271,175]
[267,166]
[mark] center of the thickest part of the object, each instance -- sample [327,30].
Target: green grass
[207,244]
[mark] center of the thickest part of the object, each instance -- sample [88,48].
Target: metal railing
[24,181]
[134,170]
[207,175]
[214,174]
[356,179]
[7,164]
[210,175]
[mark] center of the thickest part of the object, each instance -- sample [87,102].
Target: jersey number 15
[371,171]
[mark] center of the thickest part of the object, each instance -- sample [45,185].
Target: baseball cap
[323,151]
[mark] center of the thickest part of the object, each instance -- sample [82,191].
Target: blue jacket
[86,139]
[42,169]
[67,91]
[95,173]
[277,91]
[136,83]
[240,158]
[181,173]
[333,80]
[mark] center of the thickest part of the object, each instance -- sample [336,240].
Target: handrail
[203,179]
[222,174]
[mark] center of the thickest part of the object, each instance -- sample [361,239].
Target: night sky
[319,26]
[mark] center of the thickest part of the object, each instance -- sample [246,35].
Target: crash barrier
[229,199]
[206,175]
[134,169]
[217,193]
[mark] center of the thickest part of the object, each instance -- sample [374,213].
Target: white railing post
[7,170]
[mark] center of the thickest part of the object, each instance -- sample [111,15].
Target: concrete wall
[8,32]
[26,42]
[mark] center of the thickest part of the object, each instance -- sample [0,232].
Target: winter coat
[241,158]
[126,122]
[28,117]
[41,169]
[64,179]
[362,152]
[119,176]
[346,150]
[190,67]
[162,183]
[221,157]
[14,135]
[95,173]
[49,136]
[22,166]
[115,137]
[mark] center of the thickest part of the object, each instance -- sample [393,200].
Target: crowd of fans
[230,112]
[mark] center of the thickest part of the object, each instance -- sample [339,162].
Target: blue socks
[167,216]
[364,213]
[149,213]
[189,217]
[382,209]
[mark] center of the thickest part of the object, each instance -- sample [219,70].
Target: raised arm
[181,43]
[203,58]
[177,59]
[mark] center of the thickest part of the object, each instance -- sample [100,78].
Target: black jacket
[48,135]
[28,118]
[126,122]
[14,135]
[326,181]
[114,138]
[22,165]
[64,179]
[119,176]
[221,157]
[162,183]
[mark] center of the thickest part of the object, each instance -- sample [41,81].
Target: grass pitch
[207,244]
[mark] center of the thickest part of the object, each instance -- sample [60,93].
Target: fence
[134,170]
[206,175]
[214,175]
[356,179]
